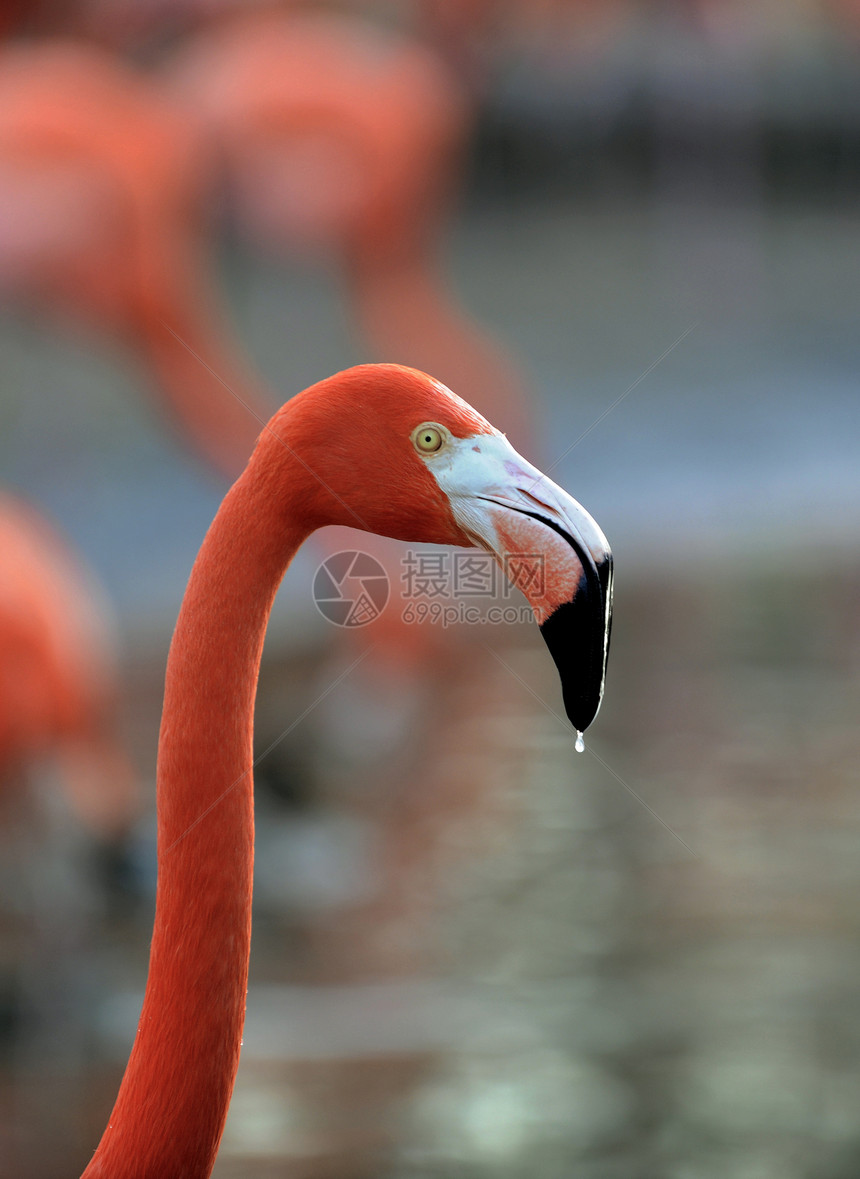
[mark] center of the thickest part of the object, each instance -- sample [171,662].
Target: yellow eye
[428,438]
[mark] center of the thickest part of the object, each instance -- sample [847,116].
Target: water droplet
[580,744]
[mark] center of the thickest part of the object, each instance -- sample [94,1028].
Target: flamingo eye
[429,438]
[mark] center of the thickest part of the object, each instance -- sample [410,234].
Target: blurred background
[629,233]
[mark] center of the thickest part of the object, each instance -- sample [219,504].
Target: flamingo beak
[550,548]
[555,553]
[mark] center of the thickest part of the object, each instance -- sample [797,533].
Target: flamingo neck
[170,1112]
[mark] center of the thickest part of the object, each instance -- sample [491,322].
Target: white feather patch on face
[484,467]
[467,468]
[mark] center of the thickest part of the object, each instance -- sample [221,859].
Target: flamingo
[67,785]
[345,140]
[57,680]
[394,451]
[100,183]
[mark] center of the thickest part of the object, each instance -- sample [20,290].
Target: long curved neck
[169,1115]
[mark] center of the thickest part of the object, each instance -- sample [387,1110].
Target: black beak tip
[577,635]
[581,705]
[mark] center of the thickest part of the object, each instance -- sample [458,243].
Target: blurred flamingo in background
[347,140]
[69,794]
[101,180]
[58,684]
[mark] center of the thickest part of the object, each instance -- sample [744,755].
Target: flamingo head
[393,451]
